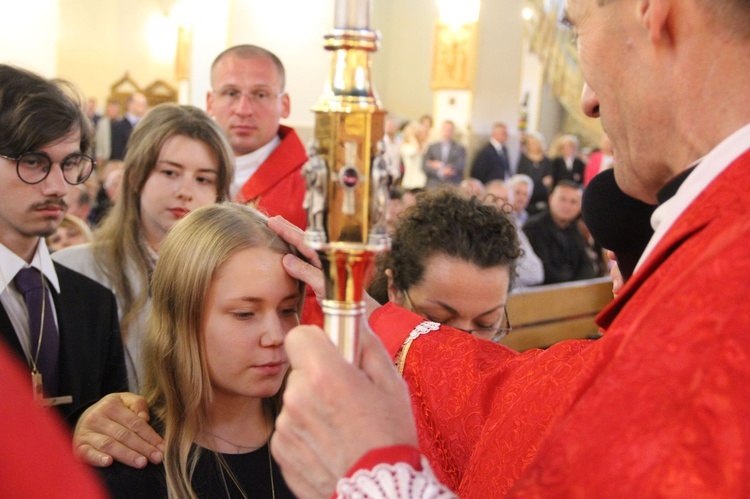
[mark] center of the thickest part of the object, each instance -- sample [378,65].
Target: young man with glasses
[60,323]
[247,100]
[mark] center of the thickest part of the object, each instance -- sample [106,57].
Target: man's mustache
[52,203]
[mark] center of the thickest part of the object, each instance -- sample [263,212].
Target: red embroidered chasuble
[277,188]
[660,406]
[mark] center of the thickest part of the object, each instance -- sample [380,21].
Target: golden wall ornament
[454,57]
[184,53]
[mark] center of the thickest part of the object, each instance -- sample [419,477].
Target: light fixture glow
[161,33]
[456,13]
[184,13]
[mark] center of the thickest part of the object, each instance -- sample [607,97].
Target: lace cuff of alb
[393,481]
[424,327]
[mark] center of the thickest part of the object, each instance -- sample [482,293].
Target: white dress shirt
[12,300]
[707,170]
[246,165]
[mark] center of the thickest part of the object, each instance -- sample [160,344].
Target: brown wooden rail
[544,315]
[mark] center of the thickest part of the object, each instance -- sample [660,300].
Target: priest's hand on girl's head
[614,272]
[307,270]
[294,236]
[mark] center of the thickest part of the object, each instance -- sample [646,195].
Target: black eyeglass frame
[49,166]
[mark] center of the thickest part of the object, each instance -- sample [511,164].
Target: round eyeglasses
[33,167]
[490,333]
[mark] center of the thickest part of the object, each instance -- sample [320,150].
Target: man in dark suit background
[123,127]
[555,238]
[491,162]
[568,166]
[75,342]
[445,161]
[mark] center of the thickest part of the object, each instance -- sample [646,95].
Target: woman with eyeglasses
[452,261]
[177,161]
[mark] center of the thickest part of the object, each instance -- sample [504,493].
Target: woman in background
[538,166]
[412,151]
[72,231]
[177,160]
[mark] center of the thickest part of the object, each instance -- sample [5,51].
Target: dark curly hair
[445,222]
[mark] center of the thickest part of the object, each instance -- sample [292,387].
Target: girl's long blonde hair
[177,384]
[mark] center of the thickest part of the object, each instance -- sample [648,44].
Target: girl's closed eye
[243,314]
[289,311]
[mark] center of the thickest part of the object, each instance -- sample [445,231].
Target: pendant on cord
[38,390]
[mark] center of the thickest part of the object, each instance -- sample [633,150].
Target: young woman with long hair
[177,160]
[214,360]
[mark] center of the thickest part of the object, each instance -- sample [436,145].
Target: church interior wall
[101,40]
[36,53]
[93,43]
[402,67]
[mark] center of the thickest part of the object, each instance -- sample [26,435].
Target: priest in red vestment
[659,406]
[248,99]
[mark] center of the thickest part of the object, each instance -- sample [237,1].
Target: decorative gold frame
[454,57]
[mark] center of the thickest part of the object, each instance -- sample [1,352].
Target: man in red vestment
[657,407]
[247,100]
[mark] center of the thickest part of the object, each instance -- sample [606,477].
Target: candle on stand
[352,14]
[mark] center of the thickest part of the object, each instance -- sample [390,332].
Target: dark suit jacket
[121,130]
[91,353]
[560,171]
[562,251]
[456,159]
[489,165]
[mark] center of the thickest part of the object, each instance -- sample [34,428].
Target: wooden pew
[543,315]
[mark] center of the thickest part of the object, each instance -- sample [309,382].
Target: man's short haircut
[35,112]
[733,15]
[251,52]
[131,97]
[570,139]
[568,183]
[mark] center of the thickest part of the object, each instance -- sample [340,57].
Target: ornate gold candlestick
[347,177]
